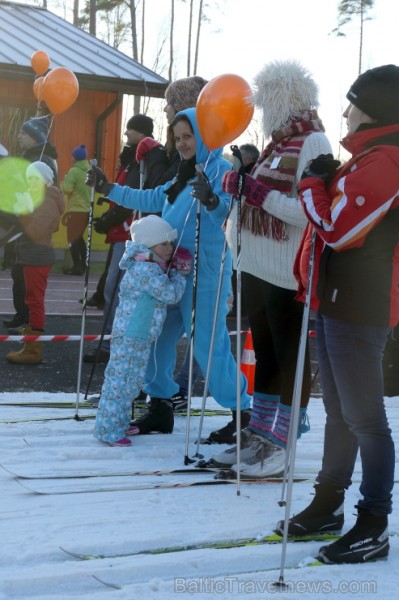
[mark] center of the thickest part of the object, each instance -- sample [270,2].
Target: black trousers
[275,319]
[18,292]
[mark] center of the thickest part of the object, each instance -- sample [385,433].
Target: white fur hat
[40,169]
[282,90]
[152,230]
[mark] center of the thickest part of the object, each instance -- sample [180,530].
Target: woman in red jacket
[355,212]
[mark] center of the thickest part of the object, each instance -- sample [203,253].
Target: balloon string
[206,164]
[182,231]
[48,133]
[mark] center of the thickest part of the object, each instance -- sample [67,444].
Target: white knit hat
[40,169]
[152,230]
[282,90]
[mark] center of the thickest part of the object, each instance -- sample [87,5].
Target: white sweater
[264,257]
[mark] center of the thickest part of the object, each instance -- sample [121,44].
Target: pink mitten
[230,182]
[144,147]
[182,261]
[254,191]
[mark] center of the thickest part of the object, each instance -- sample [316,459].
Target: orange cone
[248,362]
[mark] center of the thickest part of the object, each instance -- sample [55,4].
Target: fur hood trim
[282,90]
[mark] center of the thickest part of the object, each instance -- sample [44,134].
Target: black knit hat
[141,123]
[37,129]
[376,93]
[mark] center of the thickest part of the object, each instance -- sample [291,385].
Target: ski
[219,473]
[92,474]
[224,544]
[139,408]
[44,404]
[45,419]
[146,486]
[308,561]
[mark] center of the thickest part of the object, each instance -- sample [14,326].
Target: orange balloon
[224,110]
[60,89]
[40,62]
[38,88]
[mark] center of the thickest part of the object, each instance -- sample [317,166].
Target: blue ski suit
[145,292]
[181,215]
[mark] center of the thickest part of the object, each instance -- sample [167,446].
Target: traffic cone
[248,362]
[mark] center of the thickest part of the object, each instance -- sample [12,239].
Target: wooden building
[104,75]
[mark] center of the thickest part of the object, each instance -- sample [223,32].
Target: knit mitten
[264,408]
[254,191]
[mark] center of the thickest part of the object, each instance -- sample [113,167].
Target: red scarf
[276,168]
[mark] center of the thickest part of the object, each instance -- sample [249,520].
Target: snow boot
[123,443]
[31,353]
[227,434]
[159,417]
[325,514]
[180,401]
[367,540]
[265,460]
[228,458]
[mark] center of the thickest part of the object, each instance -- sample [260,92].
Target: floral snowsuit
[145,292]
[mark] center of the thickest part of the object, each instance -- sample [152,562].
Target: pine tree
[347,11]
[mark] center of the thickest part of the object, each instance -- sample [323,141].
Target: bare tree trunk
[135,52]
[92,17]
[133,20]
[190,29]
[172,23]
[75,12]
[142,32]
[361,38]
[198,37]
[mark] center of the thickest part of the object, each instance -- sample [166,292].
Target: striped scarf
[276,168]
[151,257]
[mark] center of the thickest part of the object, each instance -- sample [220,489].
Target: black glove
[112,217]
[97,179]
[203,192]
[324,167]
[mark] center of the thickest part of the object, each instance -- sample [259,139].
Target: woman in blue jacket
[177,202]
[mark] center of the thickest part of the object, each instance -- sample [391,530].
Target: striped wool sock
[264,410]
[279,435]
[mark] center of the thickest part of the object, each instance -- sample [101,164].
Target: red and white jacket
[357,223]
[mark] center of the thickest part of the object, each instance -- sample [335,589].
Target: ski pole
[294,421]
[142,180]
[212,341]
[105,323]
[188,460]
[93,162]
[240,168]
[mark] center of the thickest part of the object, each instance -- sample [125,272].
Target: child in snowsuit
[146,289]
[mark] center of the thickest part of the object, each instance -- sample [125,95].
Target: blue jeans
[350,362]
[118,249]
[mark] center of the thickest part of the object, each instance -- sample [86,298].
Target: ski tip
[113,586]
[310,561]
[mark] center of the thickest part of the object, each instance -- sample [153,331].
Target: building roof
[26,29]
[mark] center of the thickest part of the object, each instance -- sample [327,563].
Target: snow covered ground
[33,527]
